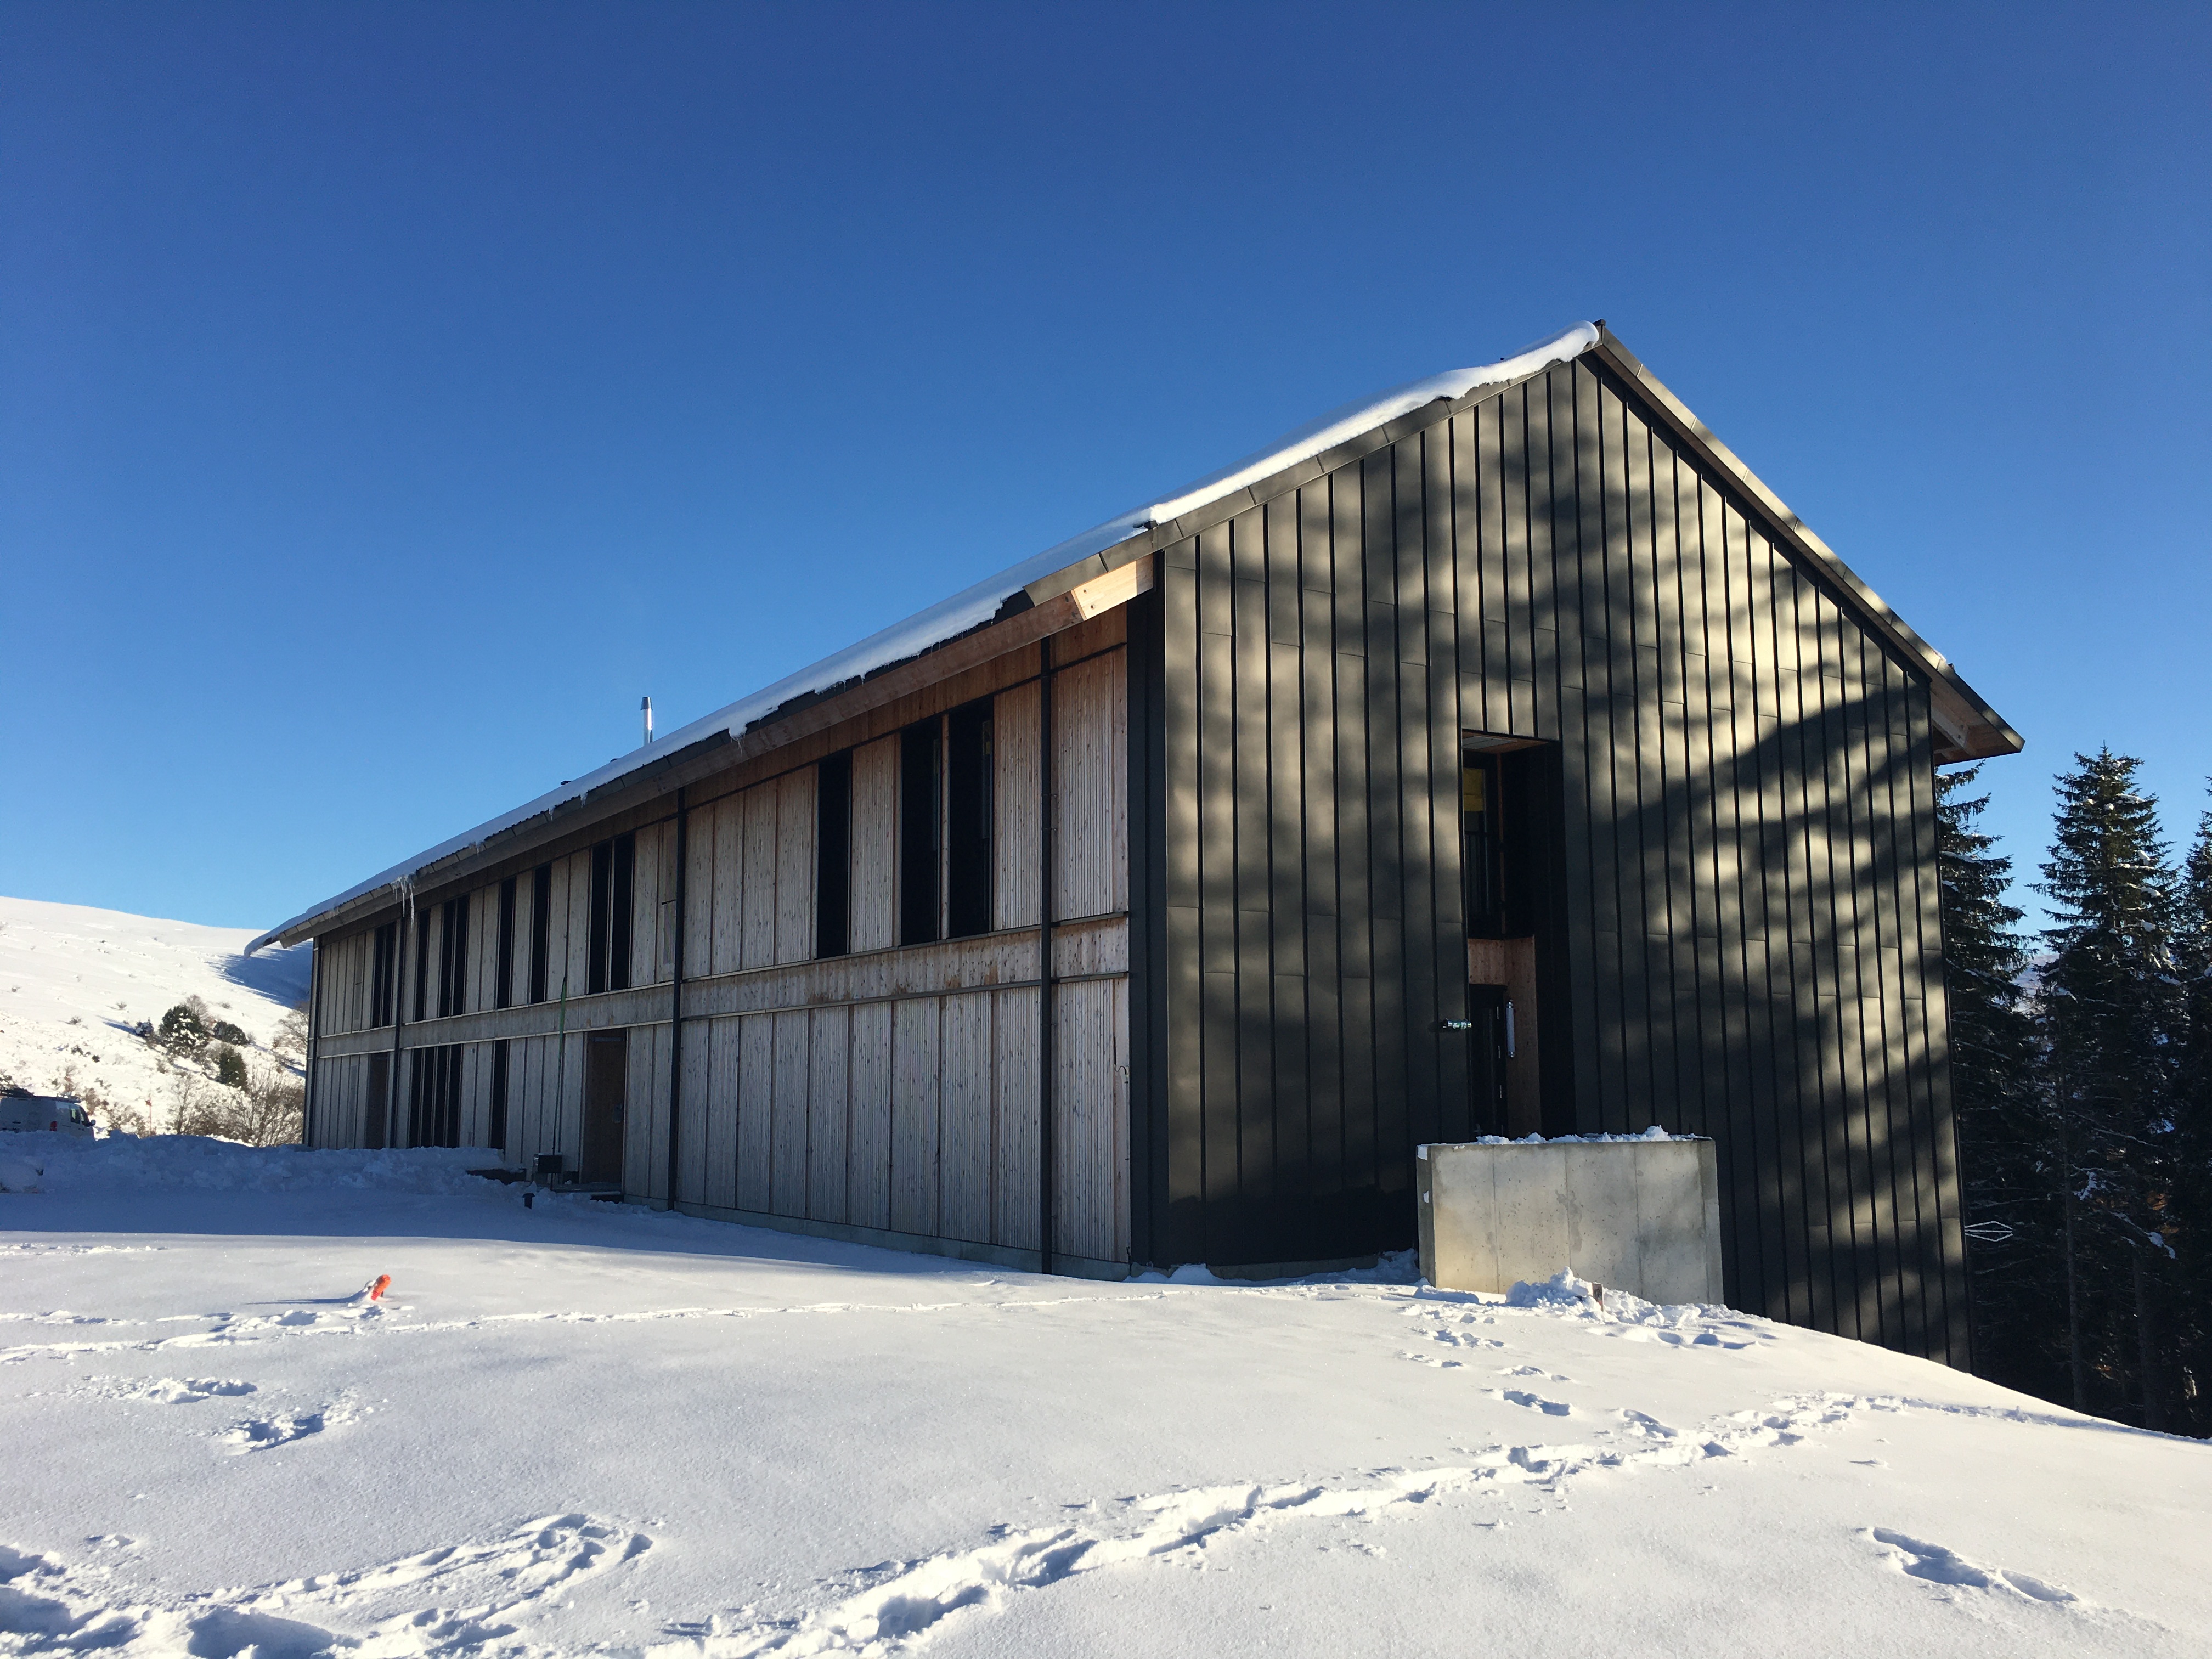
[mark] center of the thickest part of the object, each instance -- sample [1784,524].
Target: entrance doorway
[606,1084]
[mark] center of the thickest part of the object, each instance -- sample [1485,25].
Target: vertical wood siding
[1749,947]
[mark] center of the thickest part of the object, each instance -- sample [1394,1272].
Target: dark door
[376,1109]
[606,1079]
[1485,1063]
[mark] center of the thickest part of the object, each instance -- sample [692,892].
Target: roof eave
[1967,726]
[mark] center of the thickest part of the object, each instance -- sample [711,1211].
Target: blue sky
[390,396]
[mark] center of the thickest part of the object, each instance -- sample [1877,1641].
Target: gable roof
[1970,725]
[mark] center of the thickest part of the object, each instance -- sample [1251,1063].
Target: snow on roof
[974,606]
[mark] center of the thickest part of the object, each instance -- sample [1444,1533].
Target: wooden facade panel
[794,867]
[875,845]
[720,1110]
[828,1085]
[792,1103]
[755,1103]
[1014,830]
[757,894]
[1090,787]
[868,1091]
[964,1161]
[1091,1150]
[1016,1104]
[915,1079]
[725,953]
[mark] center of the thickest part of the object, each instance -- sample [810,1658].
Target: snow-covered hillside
[74,981]
[587,1427]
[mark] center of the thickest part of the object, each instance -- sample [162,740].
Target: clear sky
[391,395]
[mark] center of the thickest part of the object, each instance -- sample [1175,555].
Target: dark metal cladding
[1738,935]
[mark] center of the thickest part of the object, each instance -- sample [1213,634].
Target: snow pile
[1654,1132]
[595,1429]
[120,1165]
[75,981]
[972,607]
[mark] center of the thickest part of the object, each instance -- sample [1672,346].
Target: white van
[55,1113]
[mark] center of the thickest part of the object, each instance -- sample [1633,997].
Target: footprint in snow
[1935,1563]
[1533,1371]
[267,1433]
[170,1390]
[1534,1402]
[457,1598]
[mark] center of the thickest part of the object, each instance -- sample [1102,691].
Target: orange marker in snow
[377,1286]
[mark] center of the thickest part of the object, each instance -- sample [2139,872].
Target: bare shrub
[289,1044]
[266,1111]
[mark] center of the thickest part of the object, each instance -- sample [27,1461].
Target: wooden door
[606,1082]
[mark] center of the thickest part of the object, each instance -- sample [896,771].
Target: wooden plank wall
[894,1089]
[1750,922]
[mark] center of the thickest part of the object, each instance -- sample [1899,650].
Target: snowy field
[74,981]
[587,1427]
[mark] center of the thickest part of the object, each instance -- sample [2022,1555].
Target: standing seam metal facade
[1747,941]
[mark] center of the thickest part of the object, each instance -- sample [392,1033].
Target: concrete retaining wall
[1643,1216]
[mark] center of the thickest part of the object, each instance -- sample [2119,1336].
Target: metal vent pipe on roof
[645,708]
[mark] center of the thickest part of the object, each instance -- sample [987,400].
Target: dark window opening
[541,930]
[434,1115]
[968,821]
[921,806]
[614,874]
[503,977]
[833,856]
[422,965]
[619,942]
[1482,850]
[603,881]
[497,1138]
[454,958]
[384,974]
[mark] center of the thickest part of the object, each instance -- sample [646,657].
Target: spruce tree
[2008,1145]
[2111,1005]
[2189,1204]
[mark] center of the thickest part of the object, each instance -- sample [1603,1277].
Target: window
[384,974]
[614,872]
[422,965]
[497,1138]
[541,930]
[454,958]
[1482,851]
[433,1116]
[968,821]
[833,856]
[503,978]
[921,789]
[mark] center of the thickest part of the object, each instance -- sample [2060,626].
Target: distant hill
[76,981]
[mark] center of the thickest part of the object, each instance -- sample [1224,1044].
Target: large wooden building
[1500,756]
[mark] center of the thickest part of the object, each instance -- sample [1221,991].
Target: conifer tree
[2110,1009]
[2189,1206]
[2008,1145]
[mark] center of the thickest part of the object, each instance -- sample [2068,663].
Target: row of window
[943,859]
[944,834]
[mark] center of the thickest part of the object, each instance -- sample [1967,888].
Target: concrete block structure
[1639,1215]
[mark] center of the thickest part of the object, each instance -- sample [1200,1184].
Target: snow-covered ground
[74,981]
[589,1427]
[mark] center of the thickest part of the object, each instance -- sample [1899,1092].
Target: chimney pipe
[645,708]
